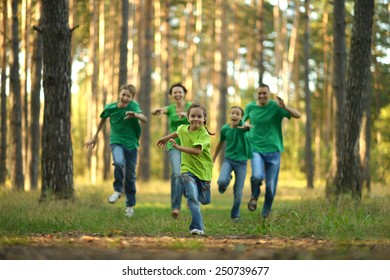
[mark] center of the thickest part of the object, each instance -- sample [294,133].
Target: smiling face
[177,93]
[124,98]
[262,95]
[235,116]
[196,117]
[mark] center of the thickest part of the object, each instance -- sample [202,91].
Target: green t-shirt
[199,165]
[175,121]
[238,146]
[266,133]
[124,132]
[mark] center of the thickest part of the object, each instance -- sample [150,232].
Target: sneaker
[175,213]
[114,197]
[197,232]
[129,212]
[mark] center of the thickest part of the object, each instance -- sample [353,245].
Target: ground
[72,246]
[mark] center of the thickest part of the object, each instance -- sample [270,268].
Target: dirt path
[50,247]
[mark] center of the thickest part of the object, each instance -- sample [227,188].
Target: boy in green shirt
[124,115]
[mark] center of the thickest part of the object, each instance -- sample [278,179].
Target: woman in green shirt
[176,113]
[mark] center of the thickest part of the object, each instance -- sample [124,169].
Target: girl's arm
[217,150]
[163,141]
[93,140]
[197,150]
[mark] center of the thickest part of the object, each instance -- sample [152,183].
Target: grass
[297,213]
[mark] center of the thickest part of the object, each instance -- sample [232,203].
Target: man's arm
[294,113]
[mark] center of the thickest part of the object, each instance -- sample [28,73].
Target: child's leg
[240,174]
[119,165]
[224,176]
[130,188]
[192,195]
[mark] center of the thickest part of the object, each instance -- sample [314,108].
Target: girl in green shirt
[197,165]
[238,151]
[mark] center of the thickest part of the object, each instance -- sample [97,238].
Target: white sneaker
[129,212]
[197,232]
[114,197]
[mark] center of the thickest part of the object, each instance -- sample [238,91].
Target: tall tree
[260,30]
[35,129]
[348,174]
[17,178]
[145,88]
[308,145]
[57,154]
[3,124]
[123,44]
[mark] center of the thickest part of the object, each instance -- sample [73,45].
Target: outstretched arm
[197,150]
[294,113]
[140,116]
[92,142]
[217,150]
[159,111]
[163,141]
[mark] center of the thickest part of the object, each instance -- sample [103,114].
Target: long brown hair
[203,108]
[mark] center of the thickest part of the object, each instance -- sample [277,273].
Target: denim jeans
[125,162]
[176,188]
[239,168]
[265,165]
[197,192]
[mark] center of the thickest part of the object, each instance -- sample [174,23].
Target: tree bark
[145,89]
[3,124]
[57,154]
[348,175]
[17,179]
[123,44]
[309,118]
[35,128]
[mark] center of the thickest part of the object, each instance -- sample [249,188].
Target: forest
[62,61]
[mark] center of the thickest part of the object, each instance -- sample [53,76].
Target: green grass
[297,213]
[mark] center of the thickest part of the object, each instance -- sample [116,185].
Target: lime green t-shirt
[199,165]
[238,146]
[266,133]
[175,121]
[124,132]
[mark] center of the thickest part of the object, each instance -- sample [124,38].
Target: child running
[196,167]
[124,115]
[238,151]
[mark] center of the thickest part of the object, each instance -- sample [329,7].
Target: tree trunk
[3,124]
[260,48]
[145,89]
[123,44]
[35,129]
[57,154]
[308,144]
[17,179]
[348,175]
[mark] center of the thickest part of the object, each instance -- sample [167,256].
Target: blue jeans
[125,162]
[239,168]
[176,188]
[197,192]
[265,165]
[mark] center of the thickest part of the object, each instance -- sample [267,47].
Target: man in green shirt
[265,117]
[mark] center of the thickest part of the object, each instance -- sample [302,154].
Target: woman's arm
[163,141]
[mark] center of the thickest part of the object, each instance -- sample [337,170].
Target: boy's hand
[130,114]
[91,143]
